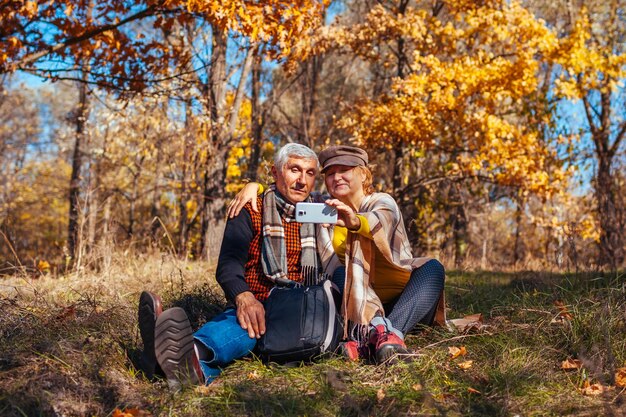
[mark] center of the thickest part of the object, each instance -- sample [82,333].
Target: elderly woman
[386,292]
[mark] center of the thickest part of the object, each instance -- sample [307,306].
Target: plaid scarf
[389,236]
[273,252]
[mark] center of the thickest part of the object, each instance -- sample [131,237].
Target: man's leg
[221,341]
[418,302]
[174,348]
[150,308]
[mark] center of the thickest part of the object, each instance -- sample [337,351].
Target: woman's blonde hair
[368,182]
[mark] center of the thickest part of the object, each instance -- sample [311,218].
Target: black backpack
[302,323]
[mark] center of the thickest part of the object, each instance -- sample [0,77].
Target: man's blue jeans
[225,341]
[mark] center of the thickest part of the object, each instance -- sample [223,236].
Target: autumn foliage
[460,103]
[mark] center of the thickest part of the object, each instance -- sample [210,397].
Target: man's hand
[251,314]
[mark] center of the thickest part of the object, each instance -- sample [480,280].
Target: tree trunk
[517,246]
[183,230]
[257,119]
[155,205]
[80,118]
[215,164]
[611,239]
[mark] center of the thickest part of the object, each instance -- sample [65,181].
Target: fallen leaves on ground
[620,378]
[455,352]
[563,313]
[473,391]
[130,412]
[569,364]
[66,313]
[465,365]
[592,389]
[380,395]
[469,323]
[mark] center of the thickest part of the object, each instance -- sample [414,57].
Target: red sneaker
[386,345]
[353,351]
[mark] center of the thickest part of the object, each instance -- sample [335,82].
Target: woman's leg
[339,278]
[418,302]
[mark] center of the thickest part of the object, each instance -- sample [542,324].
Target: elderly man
[259,250]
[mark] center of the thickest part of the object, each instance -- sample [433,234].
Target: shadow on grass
[480,292]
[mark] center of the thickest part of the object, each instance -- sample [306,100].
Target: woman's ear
[274,172]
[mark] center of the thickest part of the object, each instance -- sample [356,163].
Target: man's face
[296,179]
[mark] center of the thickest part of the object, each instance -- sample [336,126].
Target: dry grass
[65,343]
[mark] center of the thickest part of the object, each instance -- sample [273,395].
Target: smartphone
[315,213]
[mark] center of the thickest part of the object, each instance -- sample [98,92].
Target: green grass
[64,346]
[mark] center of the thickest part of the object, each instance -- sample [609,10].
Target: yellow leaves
[455,352]
[468,75]
[586,63]
[43,266]
[68,9]
[31,8]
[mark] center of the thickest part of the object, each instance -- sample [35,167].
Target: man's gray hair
[294,150]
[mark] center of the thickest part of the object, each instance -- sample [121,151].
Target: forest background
[497,125]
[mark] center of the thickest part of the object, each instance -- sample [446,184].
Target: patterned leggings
[417,303]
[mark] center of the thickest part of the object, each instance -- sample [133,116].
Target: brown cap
[342,155]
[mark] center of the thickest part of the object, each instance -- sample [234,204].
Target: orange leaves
[587,387]
[570,364]
[563,315]
[465,365]
[43,266]
[592,389]
[456,352]
[468,74]
[130,412]
[620,377]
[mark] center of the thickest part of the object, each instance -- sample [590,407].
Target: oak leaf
[468,323]
[455,352]
[569,364]
[592,389]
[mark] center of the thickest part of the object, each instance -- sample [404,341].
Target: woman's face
[343,181]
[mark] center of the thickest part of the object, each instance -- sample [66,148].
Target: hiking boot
[175,350]
[150,308]
[354,351]
[386,345]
